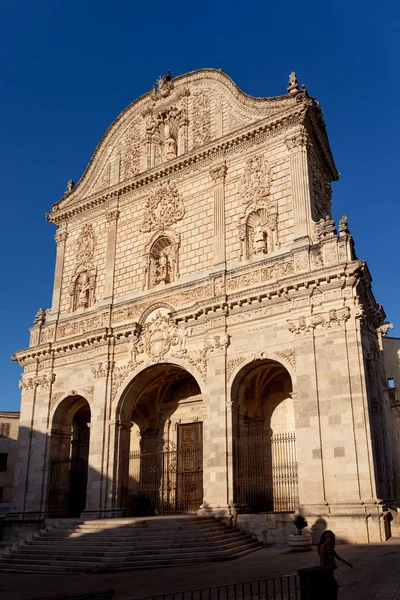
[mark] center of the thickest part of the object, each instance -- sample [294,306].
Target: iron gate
[265,473]
[166,478]
[67,492]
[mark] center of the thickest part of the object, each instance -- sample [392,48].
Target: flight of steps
[126,544]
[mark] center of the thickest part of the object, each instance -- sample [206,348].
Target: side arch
[126,385]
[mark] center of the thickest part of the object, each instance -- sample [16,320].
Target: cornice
[220,148]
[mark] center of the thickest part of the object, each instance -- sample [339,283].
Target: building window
[3,461]
[391,382]
[5,430]
[1,494]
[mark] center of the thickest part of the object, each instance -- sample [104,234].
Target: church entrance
[167,477]
[264,442]
[69,459]
[162,469]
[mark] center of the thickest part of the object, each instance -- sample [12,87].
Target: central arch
[160,453]
[264,438]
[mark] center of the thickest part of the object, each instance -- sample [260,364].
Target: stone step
[97,539]
[27,551]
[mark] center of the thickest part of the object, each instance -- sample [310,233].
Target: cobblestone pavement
[376,574]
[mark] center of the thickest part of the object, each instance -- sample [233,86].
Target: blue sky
[69,68]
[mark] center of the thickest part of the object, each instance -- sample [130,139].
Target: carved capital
[112,216]
[298,141]
[60,236]
[218,173]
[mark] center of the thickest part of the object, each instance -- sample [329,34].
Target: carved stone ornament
[298,141]
[332,320]
[161,258]
[166,133]
[293,83]
[288,354]
[217,344]
[84,247]
[163,208]
[162,87]
[158,334]
[201,121]
[321,191]
[258,231]
[112,216]
[40,381]
[255,183]
[60,236]
[218,173]
[343,226]
[40,317]
[323,229]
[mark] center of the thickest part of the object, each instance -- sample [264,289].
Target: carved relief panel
[82,286]
[321,191]
[258,225]
[166,129]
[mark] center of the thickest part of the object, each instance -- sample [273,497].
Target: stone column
[215,459]
[120,432]
[218,175]
[301,198]
[112,218]
[61,238]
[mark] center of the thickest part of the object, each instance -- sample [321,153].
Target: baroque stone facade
[206,311]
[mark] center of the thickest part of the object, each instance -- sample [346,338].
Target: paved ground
[376,575]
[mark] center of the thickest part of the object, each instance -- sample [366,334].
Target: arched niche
[69,457]
[264,438]
[162,259]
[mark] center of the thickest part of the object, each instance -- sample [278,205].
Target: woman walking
[327,556]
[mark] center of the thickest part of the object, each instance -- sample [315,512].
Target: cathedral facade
[213,344]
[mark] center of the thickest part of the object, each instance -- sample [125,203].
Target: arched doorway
[264,439]
[69,455]
[161,452]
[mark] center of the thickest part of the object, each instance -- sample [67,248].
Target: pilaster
[297,145]
[112,219]
[61,238]
[218,175]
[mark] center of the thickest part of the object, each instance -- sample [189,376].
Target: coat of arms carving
[163,208]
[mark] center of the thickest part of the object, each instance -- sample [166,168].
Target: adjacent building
[9,422]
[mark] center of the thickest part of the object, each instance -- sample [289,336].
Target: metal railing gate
[265,472]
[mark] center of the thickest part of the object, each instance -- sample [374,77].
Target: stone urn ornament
[300,542]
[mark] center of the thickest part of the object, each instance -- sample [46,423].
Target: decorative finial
[343,226]
[163,86]
[40,317]
[70,186]
[293,83]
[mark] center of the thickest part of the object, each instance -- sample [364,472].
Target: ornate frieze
[80,327]
[333,320]
[274,271]
[164,208]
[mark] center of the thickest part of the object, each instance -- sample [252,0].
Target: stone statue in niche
[82,290]
[165,132]
[259,240]
[162,262]
[258,231]
[170,147]
[162,269]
